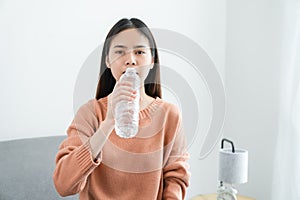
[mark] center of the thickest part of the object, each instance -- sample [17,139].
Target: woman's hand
[122,91]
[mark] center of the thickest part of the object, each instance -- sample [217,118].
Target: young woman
[96,163]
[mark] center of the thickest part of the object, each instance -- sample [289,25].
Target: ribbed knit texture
[151,165]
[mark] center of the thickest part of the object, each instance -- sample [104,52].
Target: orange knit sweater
[152,165]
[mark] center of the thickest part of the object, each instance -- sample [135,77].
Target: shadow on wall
[26,169]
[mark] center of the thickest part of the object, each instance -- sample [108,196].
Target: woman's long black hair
[107,82]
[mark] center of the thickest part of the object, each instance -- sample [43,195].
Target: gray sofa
[26,168]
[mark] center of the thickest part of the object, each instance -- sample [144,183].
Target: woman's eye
[119,52]
[140,52]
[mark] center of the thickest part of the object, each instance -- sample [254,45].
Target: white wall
[44,44]
[254,30]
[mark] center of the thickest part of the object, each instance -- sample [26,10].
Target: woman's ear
[152,63]
[107,62]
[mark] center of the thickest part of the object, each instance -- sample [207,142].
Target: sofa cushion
[26,169]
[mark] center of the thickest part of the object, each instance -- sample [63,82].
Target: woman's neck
[145,100]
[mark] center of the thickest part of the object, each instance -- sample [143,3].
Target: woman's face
[129,48]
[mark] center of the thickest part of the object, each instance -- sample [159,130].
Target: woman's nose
[130,59]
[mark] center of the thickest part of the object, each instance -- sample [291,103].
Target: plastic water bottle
[127,112]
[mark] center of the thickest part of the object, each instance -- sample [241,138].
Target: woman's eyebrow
[120,46]
[135,47]
[139,46]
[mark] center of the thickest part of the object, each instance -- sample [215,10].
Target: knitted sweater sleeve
[175,173]
[74,161]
